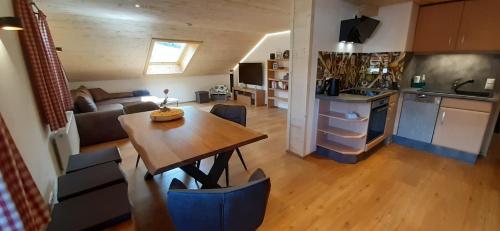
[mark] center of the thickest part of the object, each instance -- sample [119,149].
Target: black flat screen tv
[251,73]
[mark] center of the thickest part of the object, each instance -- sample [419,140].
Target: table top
[198,135]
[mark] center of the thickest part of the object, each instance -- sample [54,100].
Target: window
[169,56]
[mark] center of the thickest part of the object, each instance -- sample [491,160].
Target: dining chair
[234,208]
[140,107]
[233,113]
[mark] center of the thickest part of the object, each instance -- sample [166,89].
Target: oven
[378,117]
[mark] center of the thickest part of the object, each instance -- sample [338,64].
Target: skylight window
[169,57]
[166,52]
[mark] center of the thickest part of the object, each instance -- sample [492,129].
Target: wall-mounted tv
[251,73]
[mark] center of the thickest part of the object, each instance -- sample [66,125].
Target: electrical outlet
[490,84]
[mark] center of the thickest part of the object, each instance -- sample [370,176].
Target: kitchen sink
[475,93]
[460,92]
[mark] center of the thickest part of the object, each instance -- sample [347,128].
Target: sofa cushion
[109,107]
[121,95]
[84,103]
[99,94]
[120,100]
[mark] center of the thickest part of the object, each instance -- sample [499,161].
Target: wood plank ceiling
[104,40]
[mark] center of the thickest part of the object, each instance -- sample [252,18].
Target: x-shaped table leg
[210,180]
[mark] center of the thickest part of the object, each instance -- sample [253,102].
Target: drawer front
[467,104]
[460,129]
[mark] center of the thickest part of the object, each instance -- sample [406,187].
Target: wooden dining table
[180,143]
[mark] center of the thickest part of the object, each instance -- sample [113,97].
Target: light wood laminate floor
[397,188]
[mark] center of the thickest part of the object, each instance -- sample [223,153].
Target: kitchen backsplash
[442,69]
[376,70]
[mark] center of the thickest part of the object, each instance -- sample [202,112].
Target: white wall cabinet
[460,129]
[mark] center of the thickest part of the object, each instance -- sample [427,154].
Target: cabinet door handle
[463,39]
[449,41]
[443,116]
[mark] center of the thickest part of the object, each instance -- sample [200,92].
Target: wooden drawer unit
[467,104]
[244,99]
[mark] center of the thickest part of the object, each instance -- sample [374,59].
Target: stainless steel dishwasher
[418,117]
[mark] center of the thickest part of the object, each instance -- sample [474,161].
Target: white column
[300,101]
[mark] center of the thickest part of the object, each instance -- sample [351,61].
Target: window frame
[179,60]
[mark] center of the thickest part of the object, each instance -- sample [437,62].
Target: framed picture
[279,55]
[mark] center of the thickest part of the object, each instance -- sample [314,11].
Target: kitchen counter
[356,98]
[493,99]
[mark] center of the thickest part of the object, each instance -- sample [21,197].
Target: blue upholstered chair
[235,208]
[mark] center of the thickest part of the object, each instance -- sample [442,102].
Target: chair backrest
[235,113]
[235,208]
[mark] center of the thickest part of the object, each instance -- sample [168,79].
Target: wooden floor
[397,188]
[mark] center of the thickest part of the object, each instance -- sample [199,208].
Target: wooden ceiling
[109,39]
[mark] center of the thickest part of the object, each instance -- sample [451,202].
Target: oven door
[376,126]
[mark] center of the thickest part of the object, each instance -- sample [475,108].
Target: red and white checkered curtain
[47,76]
[21,204]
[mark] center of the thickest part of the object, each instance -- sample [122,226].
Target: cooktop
[363,92]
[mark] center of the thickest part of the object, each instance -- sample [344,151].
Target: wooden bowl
[162,116]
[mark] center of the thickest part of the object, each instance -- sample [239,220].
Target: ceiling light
[10,23]
[137,6]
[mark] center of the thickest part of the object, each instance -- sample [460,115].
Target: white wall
[271,44]
[18,108]
[396,29]
[182,88]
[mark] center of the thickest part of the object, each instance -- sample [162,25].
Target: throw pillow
[99,94]
[141,93]
[84,103]
[82,90]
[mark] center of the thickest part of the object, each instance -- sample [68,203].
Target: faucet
[457,84]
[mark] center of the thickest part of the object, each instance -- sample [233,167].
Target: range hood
[357,30]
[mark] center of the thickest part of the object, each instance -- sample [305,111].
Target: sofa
[97,111]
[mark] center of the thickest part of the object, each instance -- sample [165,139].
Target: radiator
[67,141]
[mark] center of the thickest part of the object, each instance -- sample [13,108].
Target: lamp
[10,23]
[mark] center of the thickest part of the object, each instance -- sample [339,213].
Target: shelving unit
[277,86]
[341,132]
[341,116]
[338,137]
[338,147]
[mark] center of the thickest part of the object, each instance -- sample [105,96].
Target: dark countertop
[350,98]
[493,99]
[364,99]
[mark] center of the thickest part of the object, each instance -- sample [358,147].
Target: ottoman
[202,96]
